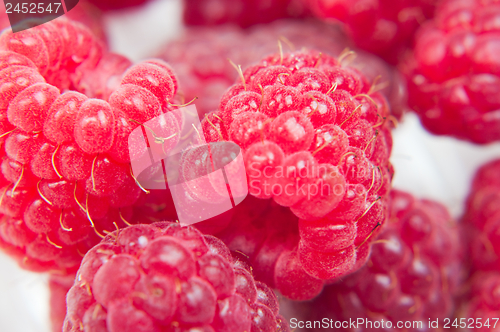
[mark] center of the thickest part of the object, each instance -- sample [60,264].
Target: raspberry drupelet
[414,273]
[383,27]
[200,56]
[453,75]
[164,277]
[66,176]
[316,142]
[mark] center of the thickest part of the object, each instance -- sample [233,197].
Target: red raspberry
[383,27]
[413,274]
[242,12]
[200,58]
[452,76]
[162,277]
[339,193]
[66,174]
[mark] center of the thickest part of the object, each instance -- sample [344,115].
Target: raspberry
[242,12]
[66,173]
[199,57]
[452,81]
[405,279]
[380,27]
[164,276]
[331,187]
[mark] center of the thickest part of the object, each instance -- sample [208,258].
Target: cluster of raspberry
[321,229]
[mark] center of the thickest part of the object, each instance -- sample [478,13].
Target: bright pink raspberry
[453,74]
[331,175]
[164,276]
[66,173]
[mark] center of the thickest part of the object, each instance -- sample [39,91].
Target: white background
[440,168]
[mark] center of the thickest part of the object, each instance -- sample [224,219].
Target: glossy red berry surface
[165,277]
[413,274]
[383,27]
[453,74]
[66,175]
